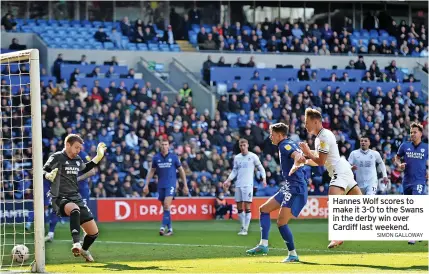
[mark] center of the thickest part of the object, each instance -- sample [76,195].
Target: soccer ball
[20,253]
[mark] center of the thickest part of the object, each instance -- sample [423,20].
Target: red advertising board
[185,209]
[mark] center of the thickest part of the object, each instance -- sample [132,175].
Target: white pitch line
[243,247]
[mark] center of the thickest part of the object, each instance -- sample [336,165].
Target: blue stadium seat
[109,45]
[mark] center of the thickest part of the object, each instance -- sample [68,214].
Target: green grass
[214,246]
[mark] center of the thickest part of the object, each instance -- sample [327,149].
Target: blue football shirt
[415,158]
[298,178]
[166,167]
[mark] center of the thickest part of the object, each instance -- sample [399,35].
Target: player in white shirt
[326,154]
[364,161]
[243,170]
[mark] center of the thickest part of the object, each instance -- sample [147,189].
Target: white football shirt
[244,167]
[366,162]
[327,143]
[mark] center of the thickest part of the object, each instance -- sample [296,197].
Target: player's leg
[417,189]
[265,223]
[241,215]
[247,216]
[91,232]
[370,189]
[68,208]
[247,200]
[169,195]
[53,220]
[161,198]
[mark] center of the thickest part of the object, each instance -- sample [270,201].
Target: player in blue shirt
[165,164]
[83,190]
[290,199]
[415,154]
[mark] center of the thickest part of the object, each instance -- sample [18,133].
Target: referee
[62,170]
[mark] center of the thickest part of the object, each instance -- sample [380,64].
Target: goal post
[18,59]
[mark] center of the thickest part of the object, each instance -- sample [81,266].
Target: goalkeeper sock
[88,240]
[166,218]
[53,220]
[247,218]
[75,225]
[265,223]
[287,237]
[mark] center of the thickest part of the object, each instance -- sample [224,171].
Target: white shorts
[368,188]
[244,194]
[343,177]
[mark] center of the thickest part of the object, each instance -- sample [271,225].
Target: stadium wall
[185,209]
[194,60]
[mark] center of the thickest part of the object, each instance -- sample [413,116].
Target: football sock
[287,237]
[241,217]
[166,218]
[247,218]
[265,223]
[75,225]
[88,241]
[53,220]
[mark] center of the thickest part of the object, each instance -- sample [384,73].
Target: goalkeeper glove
[101,149]
[51,175]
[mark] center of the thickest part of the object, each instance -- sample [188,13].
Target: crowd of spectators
[287,37]
[132,121]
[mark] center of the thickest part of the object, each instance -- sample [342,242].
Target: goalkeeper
[62,170]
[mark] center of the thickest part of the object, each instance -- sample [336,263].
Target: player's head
[313,120]
[278,132]
[364,142]
[244,146]
[73,145]
[416,132]
[165,145]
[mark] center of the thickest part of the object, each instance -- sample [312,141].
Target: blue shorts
[294,198]
[417,189]
[166,192]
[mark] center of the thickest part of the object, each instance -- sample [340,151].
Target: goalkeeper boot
[291,259]
[87,255]
[257,250]
[334,244]
[77,247]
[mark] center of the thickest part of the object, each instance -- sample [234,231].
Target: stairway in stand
[185,46]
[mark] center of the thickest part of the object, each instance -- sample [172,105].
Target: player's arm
[398,157]
[50,168]
[261,169]
[352,160]
[298,161]
[149,177]
[381,166]
[183,177]
[101,150]
[86,175]
[232,175]
[319,158]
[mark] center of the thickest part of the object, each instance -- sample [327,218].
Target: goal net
[21,178]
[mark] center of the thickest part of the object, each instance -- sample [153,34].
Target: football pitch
[214,246]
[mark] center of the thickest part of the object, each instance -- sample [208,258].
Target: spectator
[303,74]
[7,23]
[185,92]
[169,36]
[16,46]
[116,38]
[360,64]
[101,36]
[222,207]
[195,16]
[83,60]
[125,26]
[139,36]
[206,69]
